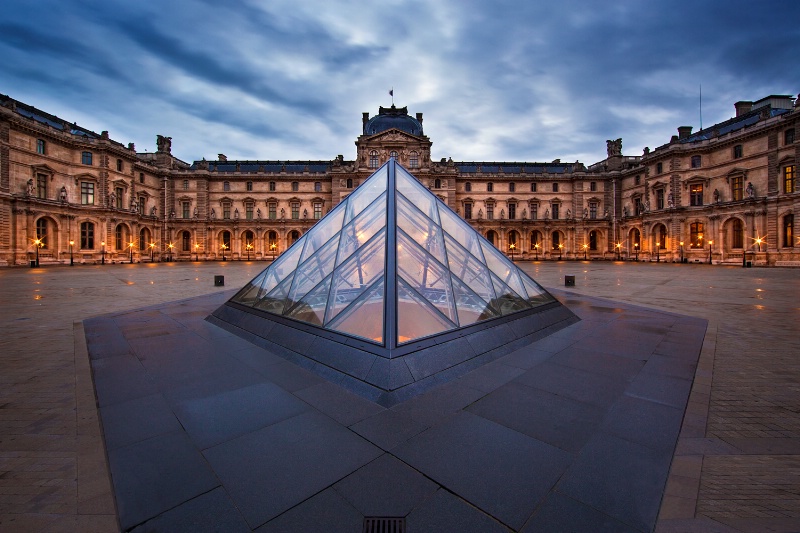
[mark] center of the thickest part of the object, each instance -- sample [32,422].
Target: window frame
[87,235]
[696,161]
[696,196]
[87,158]
[788,230]
[41,147]
[42,232]
[738,151]
[41,185]
[789,178]
[737,188]
[87,192]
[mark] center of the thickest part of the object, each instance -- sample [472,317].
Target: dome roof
[393,117]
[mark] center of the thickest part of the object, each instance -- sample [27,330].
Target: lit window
[696,194]
[696,235]
[87,236]
[696,161]
[87,193]
[373,159]
[295,186]
[393,154]
[736,188]
[556,240]
[512,187]
[317,210]
[40,146]
[86,158]
[788,231]
[41,185]
[738,151]
[789,178]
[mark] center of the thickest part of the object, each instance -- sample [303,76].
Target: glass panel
[353,277]
[507,301]
[469,270]
[503,268]
[282,267]
[471,307]
[415,318]
[323,231]
[420,228]
[311,308]
[536,294]
[366,193]
[416,193]
[312,271]
[251,292]
[365,317]
[275,301]
[425,275]
[462,232]
[360,230]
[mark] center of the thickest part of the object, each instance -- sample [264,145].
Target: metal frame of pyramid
[392,293]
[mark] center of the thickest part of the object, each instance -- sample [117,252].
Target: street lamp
[152,250]
[223,246]
[681,251]
[273,247]
[709,251]
[636,250]
[71,258]
[103,253]
[560,248]
[130,249]
[196,247]
[536,249]
[618,246]
[585,247]
[511,247]
[658,252]
[248,247]
[38,243]
[170,246]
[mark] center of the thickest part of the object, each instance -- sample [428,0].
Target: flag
[391,92]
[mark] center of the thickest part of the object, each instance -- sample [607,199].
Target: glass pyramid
[392,264]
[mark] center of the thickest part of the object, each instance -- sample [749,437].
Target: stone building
[727,193]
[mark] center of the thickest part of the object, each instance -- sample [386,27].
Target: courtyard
[736,466]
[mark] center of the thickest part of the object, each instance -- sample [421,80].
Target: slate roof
[45,118]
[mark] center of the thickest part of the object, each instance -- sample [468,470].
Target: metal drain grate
[382,524]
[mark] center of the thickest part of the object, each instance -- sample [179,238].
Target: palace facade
[725,194]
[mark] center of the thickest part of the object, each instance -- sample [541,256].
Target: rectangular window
[295,210]
[249,186]
[185,209]
[533,187]
[87,236]
[535,212]
[593,210]
[141,177]
[226,210]
[637,180]
[490,212]
[789,173]
[512,187]
[738,151]
[555,211]
[660,199]
[87,193]
[555,187]
[273,211]
[317,186]
[696,161]
[659,170]
[41,185]
[185,185]
[40,146]
[696,235]
[788,137]
[142,202]
[317,210]
[467,210]
[118,199]
[490,187]
[272,186]
[226,185]
[86,158]
[295,186]
[119,165]
[638,207]
[512,211]
[248,210]
[696,194]
[788,231]
[593,186]
[736,188]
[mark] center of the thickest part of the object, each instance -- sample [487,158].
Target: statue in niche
[569,213]
[716,196]
[236,214]
[134,205]
[585,213]
[547,214]
[480,214]
[153,212]
[605,213]
[305,213]
[751,191]
[646,206]
[524,214]
[29,188]
[502,214]
[112,198]
[625,211]
[63,195]
[342,183]
[614,148]
[258,213]
[196,213]
[283,213]
[164,144]
[670,201]
[213,214]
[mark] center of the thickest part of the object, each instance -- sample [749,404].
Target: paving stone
[209,512]
[326,511]
[562,514]
[447,512]
[128,422]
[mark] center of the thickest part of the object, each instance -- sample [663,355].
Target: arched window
[393,154]
[696,235]
[144,239]
[660,235]
[437,183]
[788,231]
[293,236]
[226,239]
[468,187]
[737,233]
[636,238]
[119,237]
[87,236]
[41,232]
[272,243]
[536,241]
[593,240]
[491,236]
[556,240]
[186,241]
[249,238]
[349,183]
[373,159]
[413,160]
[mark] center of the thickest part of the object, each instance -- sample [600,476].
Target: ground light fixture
[103,253]
[618,246]
[130,250]
[152,249]
[658,252]
[224,247]
[71,257]
[536,249]
[585,248]
[636,250]
[170,246]
[38,244]
[709,251]
[560,249]
[511,247]
[681,251]
[196,248]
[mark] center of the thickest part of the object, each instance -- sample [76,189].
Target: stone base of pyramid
[407,371]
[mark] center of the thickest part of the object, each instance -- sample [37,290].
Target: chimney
[419,118]
[222,157]
[684,132]
[743,107]
[364,118]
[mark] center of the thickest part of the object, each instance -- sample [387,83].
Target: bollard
[219,281]
[569,281]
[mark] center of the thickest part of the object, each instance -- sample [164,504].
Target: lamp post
[658,252]
[560,249]
[248,247]
[71,258]
[38,244]
[585,247]
[618,246]
[170,246]
[196,247]
[223,246]
[681,251]
[152,250]
[709,251]
[536,250]
[103,253]
[511,247]
[273,247]
[636,250]
[130,250]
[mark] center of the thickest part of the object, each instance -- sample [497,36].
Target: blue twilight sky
[501,80]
